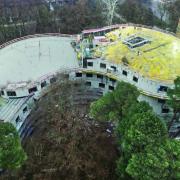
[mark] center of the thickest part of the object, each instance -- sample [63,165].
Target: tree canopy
[174,101]
[12,155]
[156,162]
[174,95]
[146,152]
[143,129]
[114,105]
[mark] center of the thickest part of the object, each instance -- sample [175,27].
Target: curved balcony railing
[126,25]
[146,85]
[21,88]
[119,78]
[75,35]
[35,36]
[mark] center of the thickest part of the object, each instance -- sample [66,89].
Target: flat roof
[158,60]
[30,59]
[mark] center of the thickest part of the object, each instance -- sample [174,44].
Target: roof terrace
[153,54]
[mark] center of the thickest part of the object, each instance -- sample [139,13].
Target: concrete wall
[148,86]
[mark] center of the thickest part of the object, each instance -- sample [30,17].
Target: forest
[22,18]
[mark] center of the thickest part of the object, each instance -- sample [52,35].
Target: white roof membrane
[35,57]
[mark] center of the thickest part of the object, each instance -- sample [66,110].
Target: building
[145,57]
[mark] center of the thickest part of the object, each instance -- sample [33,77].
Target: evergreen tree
[12,155]
[174,100]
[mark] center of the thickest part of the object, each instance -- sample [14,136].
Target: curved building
[145,57]
[148,58]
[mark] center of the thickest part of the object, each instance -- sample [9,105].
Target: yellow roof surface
[158,60]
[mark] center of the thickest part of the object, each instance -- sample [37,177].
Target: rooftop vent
[135,41]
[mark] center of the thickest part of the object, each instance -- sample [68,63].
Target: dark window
[102,65]
[90,46]
[165,110]
[161,101]
[124,72]
[99,76]
[114,68]
[25,109]
[11,93]
[89,75]
[111,88]
[90,63]
[17,119]
[78,74]
[88,83]
[135,79]
[163,88]
[2,93]
[52,80]
[101,85]
[43,84]
[112,80]
[31,90]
